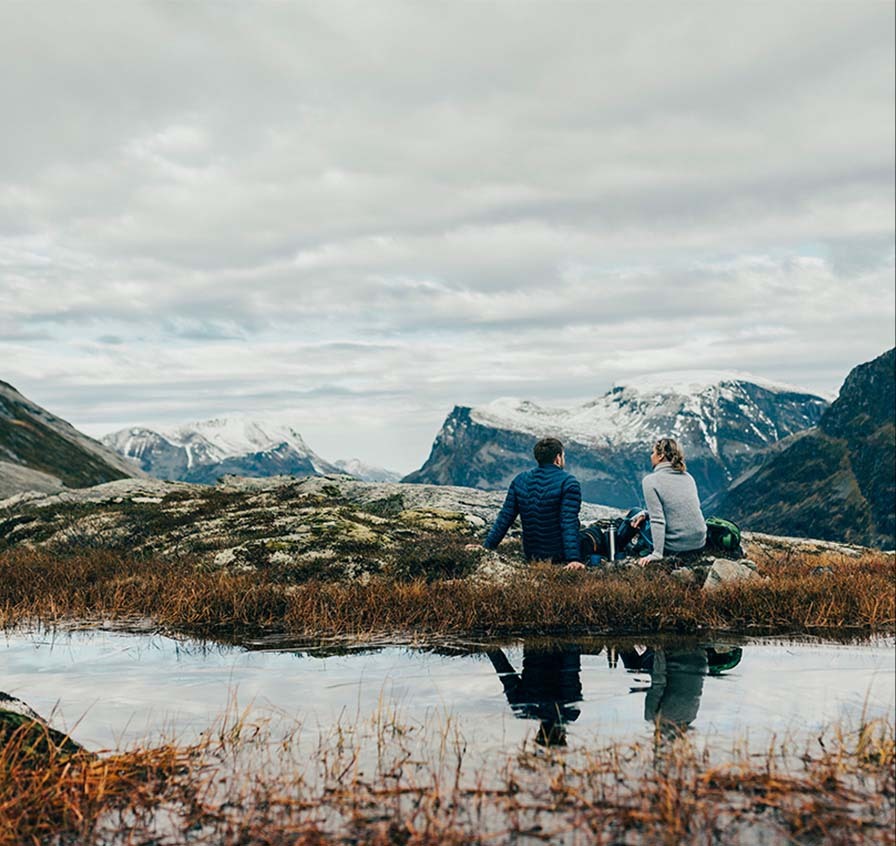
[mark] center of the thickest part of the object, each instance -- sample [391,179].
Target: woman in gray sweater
[673,507]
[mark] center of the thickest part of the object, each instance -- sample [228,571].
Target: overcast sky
[370,212]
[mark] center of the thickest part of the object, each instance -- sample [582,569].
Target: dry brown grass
[379,783]
[853,593]
[52,795]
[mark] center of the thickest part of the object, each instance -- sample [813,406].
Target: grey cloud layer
[423,203]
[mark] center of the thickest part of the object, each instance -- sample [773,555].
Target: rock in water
[37,738]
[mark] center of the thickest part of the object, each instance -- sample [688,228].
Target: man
[547,499]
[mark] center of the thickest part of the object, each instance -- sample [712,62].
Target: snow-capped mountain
[366,472]
[722,419]
[204,450]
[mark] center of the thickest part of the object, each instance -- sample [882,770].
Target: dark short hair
[547,449]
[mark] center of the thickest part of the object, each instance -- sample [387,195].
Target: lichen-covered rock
[724,571]
[317,527]
[435,519]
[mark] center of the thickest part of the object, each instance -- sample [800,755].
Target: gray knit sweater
[676,521]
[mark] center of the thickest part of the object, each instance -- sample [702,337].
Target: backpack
[723,536]
[593,545]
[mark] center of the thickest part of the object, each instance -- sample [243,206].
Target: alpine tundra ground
[335,557]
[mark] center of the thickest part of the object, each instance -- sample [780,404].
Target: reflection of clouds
[127,687]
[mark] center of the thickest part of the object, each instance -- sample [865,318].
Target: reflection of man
[547,500]
[546,690]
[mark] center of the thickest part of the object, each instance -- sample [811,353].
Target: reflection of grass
[386,782]
[37,586]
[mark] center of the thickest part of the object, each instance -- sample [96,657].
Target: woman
[673,507]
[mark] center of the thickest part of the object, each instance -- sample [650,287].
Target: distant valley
[838,480]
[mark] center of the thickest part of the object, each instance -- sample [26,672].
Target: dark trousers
[596,541]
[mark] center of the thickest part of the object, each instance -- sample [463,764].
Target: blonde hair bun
[670,451]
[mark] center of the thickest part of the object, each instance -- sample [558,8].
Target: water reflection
[546,689]
[112,687]
[549,686]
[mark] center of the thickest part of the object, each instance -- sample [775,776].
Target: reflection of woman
[676,685]
[676,522]
[676,680]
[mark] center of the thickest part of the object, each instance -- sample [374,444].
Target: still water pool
[111,689]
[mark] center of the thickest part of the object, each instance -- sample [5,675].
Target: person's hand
[574,565]
[650,559]
[638,520]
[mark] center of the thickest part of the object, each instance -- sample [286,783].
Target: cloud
[344,206]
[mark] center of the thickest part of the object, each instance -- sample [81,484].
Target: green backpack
[723,536]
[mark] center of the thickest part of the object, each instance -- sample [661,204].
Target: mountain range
[772,457]
[237,445]
[724,421]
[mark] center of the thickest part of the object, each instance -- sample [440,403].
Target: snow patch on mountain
[235,435]
[688,382]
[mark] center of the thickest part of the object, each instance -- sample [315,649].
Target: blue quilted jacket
[547,500]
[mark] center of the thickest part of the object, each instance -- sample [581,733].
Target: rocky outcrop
[330,528]
[723,572]
[39,451]
[837,481]
[33,735]
[722,421]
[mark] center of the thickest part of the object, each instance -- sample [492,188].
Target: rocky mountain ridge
[838,480]
[238,444]
[40,451]
[723,420]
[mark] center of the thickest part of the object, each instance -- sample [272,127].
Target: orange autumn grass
[803,593]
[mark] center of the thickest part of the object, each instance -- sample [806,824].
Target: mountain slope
[205,450]
[721,419]
[39,451]
[837,481]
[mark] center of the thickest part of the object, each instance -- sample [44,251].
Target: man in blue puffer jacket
[547,499]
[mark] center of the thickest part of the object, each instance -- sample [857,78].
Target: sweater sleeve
[657,516]
[504,520]
[570,504]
